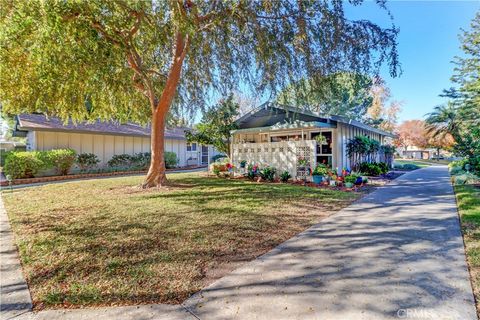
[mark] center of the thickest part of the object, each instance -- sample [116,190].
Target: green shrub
[121,161]
[141,160]
[24,164]
[3,157]
[87,161]
[383,166]
[458,163]
[351,178]
[374,168]
[471,164]
[61,160]
[455,170]
[466,178]
[285,176]
[268,173]
[410,166]
[171,160]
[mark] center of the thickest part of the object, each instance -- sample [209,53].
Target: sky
[427,43]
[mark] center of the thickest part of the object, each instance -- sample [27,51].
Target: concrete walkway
[397,253]
[15,297]
[37,184]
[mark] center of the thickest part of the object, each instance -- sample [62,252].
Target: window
[324,150]
[326,147]
[290,137]
[191,146]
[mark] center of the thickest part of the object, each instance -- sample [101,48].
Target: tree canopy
[346,94]
[460,117]
[61,54]
[216,124]
[131,60]
[412,133]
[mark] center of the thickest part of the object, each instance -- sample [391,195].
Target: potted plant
[358,181]
[333,180]
[243,163]
[321,139]
[350,180]
[302,162]
[319,173]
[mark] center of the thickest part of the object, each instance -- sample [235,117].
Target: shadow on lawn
[165,254]
[390,251]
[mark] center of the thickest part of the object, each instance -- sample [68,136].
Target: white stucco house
[279,136]
[105,139]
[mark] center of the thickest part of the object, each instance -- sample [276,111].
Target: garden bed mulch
[373,182]
[4,183]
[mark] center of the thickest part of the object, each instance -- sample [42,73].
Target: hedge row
[27,164]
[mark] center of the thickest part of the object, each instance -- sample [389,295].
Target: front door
[204,154]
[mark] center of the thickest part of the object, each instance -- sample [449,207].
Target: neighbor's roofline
[19,126]
[337,118]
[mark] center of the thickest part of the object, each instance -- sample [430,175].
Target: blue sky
[427,43]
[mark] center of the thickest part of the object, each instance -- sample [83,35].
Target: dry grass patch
[106,242]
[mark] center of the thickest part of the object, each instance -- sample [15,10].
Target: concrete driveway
[395,254]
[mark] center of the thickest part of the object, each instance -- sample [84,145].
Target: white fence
[283,156]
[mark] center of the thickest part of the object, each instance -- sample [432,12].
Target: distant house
[11,145]
[105,139]
[412,152]
[280,136]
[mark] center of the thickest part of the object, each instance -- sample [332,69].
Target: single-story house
[280,136]
[417,153]
[105,139]
[11,145]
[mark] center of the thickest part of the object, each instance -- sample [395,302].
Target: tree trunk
[156,173]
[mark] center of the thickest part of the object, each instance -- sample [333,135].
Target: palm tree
[442,122]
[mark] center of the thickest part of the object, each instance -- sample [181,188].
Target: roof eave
[106,133]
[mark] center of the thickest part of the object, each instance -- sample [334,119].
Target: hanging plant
[321,139]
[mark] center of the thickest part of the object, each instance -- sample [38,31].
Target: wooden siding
[104,146]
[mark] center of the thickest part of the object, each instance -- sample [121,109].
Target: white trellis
[281,155]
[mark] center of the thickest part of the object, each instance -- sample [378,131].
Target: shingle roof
[42,123]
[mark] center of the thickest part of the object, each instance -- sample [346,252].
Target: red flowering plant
[252,171]
[229,166]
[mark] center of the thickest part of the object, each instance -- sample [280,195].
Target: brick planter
[4,183]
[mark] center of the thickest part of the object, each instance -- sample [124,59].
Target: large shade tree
[411,133]
[131,60]
[344,94]
[460,117]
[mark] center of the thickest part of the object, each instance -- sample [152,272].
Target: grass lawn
[415,162]
[435,161]
[106,242]
[468,200]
